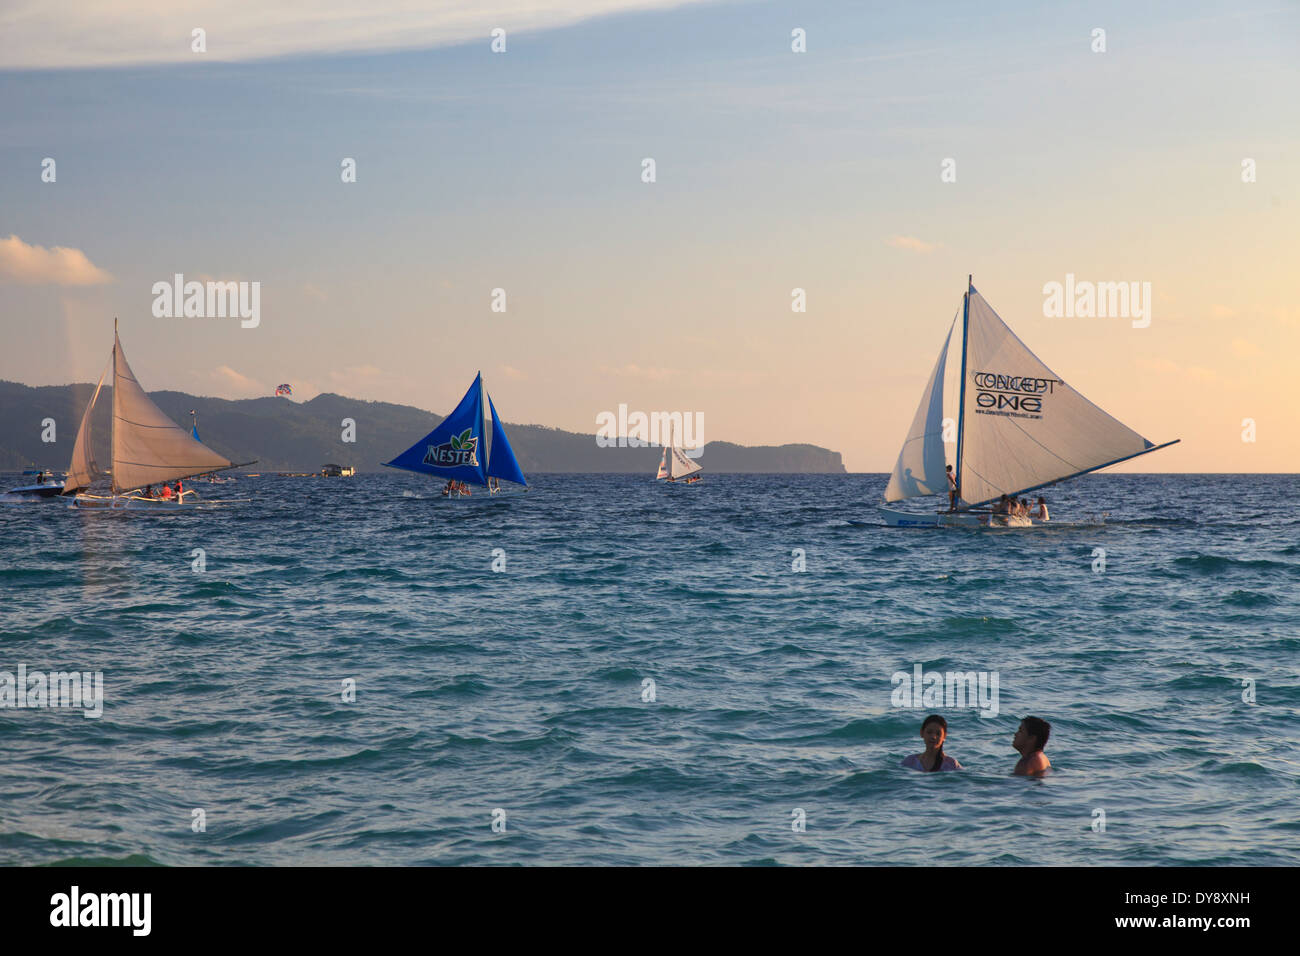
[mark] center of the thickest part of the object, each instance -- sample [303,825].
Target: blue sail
[503,463]
[194,433]
[453,450]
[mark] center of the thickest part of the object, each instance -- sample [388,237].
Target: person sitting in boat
[934,731]
[167,494]
[447,488]
[1030,739]
[148,492]
[693,479]
[1040,510]
[464,488]
[1003,506]
[1024,507]
[40,477]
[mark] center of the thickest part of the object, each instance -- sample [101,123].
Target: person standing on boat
[180,491]
[934,731]
[953,490]
[1030,739]
[1040,510]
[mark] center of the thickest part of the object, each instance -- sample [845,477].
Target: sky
[774,170]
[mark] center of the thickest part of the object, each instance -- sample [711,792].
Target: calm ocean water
[522,689]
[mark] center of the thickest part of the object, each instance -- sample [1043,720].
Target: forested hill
[284,435]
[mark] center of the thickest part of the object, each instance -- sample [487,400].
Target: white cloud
[24,264]
[636,371]
[234,384]
[912,244]
[45,34]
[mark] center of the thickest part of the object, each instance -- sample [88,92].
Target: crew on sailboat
[1040,510]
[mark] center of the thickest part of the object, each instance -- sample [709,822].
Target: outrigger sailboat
[147,448]
[676,464]
[456,449]
[1019,427]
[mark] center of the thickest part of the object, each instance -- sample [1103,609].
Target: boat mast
[961,402]
[112,417]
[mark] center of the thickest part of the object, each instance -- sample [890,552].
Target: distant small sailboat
[676,464]
[457,450]
[1019,427]
[147,448]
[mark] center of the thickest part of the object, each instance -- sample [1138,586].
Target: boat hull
[945,519]
[37,491]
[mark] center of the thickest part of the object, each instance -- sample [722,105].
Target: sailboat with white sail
[1019,427]
[676,465]
[463,450]
[146,446]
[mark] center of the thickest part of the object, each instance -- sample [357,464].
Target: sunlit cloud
[35,34]
[637,372]
[24,264]
[232,384]
[912,244]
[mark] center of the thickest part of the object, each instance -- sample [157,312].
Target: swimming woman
[934,731]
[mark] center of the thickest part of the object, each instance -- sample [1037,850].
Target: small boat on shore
[1017,427]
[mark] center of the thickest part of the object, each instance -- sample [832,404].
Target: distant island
[302,436]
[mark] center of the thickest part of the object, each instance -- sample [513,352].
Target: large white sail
[1023,427]
[83,469]
[148,447]
[920,467]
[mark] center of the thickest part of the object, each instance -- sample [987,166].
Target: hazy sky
[775,170]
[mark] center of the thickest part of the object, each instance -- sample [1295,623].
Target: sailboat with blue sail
[469,447]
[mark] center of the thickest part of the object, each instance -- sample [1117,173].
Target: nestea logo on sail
[462,449]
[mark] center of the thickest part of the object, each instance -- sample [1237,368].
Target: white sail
[1023,427]
[920,467]
[83,469]
[680,466]
[148,447]
[675,462]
